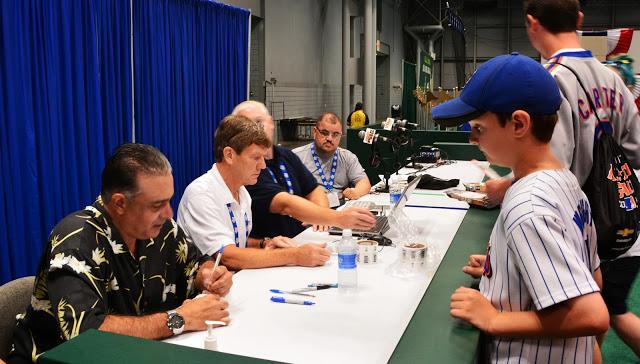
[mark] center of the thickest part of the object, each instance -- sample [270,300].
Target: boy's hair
[556,16]
[541,125]
[238,132]
[121,170]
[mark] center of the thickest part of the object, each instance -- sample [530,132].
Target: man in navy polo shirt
[287,194]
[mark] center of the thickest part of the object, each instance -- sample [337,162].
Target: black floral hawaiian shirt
[87,272]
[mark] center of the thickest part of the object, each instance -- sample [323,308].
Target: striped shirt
[542,252]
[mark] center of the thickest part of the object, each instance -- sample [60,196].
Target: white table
[363,327]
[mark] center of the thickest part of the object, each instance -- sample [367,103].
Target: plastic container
[395,191]
[347,265]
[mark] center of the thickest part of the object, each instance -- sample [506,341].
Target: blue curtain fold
[65,103]
[190,70]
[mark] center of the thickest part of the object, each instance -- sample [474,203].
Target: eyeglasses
[327,133]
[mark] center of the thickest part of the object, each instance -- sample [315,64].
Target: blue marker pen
[292,301]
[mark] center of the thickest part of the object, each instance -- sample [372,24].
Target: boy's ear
[532,23]
[520,123]
[580,20]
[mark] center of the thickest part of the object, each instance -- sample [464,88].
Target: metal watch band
[174,330]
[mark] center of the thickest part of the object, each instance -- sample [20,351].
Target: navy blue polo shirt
[265,223]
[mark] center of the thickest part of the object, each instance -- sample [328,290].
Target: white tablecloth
[363,327]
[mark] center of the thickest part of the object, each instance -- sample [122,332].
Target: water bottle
[347,268]
[395,191]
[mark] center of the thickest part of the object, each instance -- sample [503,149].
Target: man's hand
[312,255]
[218,281]
[496,188]
[356,218]
[475,265]
[317,227]
[280,242]
[470,305]
[320,228]
[351,193]
[207,307]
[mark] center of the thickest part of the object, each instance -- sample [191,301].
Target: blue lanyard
[334,165]
[236,234]
[285,174]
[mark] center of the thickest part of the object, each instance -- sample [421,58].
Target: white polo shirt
[205,217]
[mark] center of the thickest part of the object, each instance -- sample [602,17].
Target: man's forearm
[362,187]
[581,316]
[303,210]
[152,326]
[318,197]
[235,258]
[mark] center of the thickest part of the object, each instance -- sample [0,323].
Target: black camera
[427,154]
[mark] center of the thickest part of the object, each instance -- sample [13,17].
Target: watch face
[175,321]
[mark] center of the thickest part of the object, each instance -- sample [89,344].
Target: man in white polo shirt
[215,210]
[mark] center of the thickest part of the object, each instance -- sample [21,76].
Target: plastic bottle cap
[347,232]
[211,342]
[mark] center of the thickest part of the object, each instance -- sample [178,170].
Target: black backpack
[612,189]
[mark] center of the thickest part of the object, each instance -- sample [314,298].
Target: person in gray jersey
[336,169]
[539,300]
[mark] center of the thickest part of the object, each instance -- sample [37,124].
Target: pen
[215,265]
[291,292]
[490,173]
[314,288]
[288,300]
[330,285]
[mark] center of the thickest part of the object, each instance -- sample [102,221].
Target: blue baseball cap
[503,84]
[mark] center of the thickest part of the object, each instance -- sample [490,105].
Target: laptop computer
[382,222]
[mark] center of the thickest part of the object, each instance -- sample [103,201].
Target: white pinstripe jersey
[542,252]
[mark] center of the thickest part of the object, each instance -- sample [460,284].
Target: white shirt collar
[225,193]
[564,50]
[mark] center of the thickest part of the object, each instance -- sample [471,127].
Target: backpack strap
[591,104]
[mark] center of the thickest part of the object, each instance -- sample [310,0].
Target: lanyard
[285,174]
[334,165]
[236,234]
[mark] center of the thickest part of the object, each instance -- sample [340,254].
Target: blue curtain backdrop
[65,103]
[190,60]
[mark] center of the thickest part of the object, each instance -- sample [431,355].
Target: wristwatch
[263,241]
[175,322]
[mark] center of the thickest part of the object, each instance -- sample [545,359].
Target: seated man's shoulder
[301,150]
[87,218]
[199,185]
[291,157]
[75,230]
[346,153]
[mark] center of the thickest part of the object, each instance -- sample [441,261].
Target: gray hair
[249,104]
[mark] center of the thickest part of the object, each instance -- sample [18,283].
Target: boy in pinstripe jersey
[539,301]
[551,26]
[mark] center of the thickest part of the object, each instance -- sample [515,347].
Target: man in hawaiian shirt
[121,265]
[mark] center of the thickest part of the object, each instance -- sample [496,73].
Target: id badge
[334,199]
